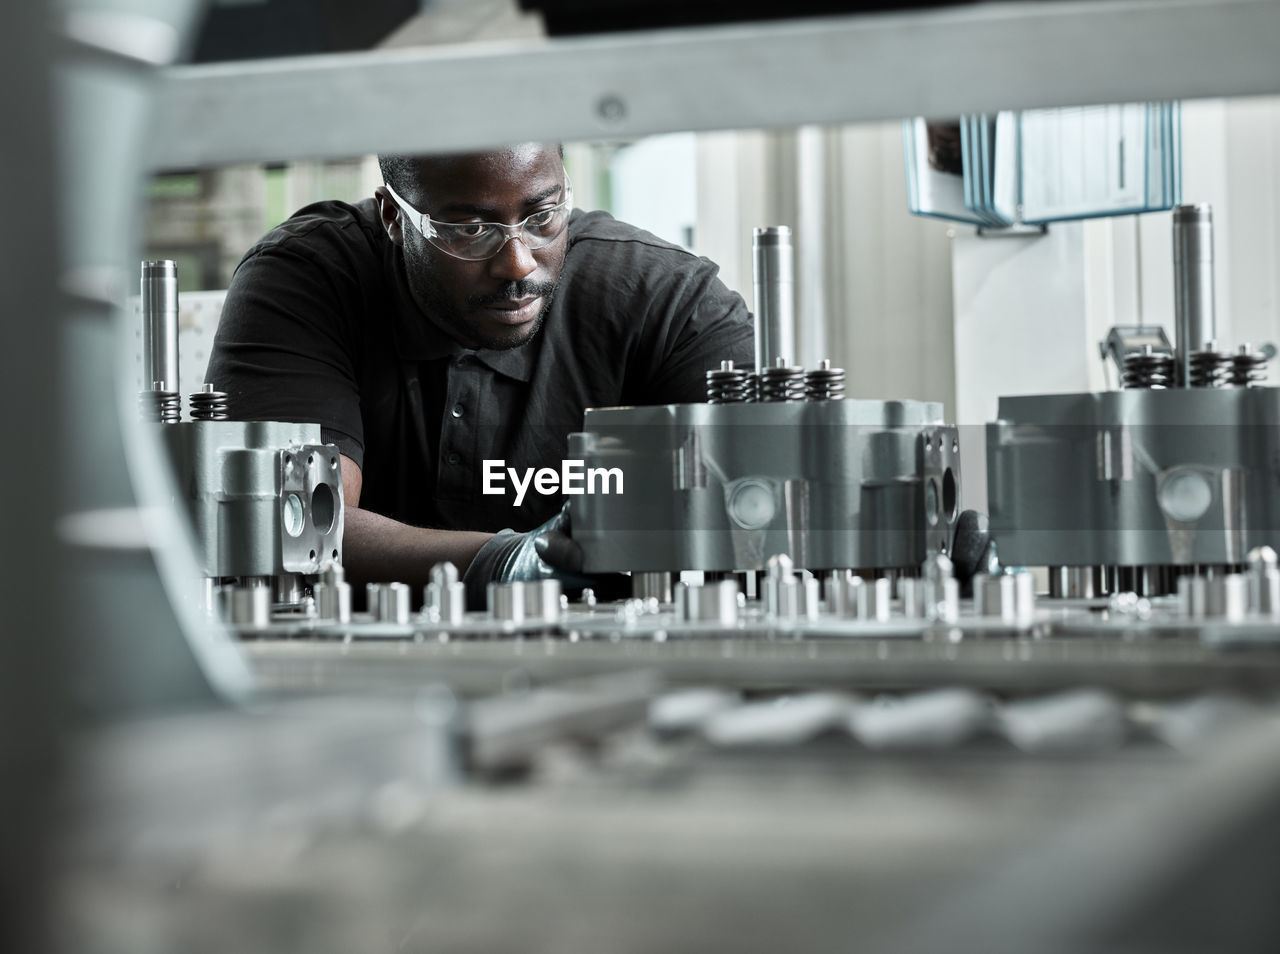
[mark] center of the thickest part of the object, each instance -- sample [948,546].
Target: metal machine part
[264,498]
[247,606]
[1139,479]
[208,404]
[1149,368]
[445,597]
[333,595]
[707,602]
[848,484]
[519,601]
[160,323]
[730,385]
[506,602]
[160,405]
[1194,317]
[824,383]
[774,282]
[781,382]
[1010,596]
[388,602]
[1147,344]
[655,586]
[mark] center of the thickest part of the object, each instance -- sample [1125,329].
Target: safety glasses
[476,241]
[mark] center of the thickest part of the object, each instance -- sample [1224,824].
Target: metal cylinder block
[832,484]
[1134,478]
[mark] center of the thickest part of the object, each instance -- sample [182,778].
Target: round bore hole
[751,505]
[311,459]
[335,554]
[1184,495]
[950,495]
[931,501]
[323,508]
[294,517]
[313,555]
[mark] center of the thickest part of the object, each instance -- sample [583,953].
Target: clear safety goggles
[476,241]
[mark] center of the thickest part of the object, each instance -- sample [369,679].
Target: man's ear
[389,213]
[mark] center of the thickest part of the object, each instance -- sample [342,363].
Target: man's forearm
[377,549]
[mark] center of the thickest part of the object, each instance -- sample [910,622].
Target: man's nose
[513,262]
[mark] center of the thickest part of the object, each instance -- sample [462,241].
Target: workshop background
[802,734]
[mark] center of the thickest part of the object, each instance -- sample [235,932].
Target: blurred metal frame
[823,70]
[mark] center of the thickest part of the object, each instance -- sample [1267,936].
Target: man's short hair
[401,172]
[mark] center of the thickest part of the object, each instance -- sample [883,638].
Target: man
[464,314]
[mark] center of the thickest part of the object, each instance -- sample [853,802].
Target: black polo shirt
[318,327]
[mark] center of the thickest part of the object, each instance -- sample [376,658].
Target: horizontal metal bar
[935,62]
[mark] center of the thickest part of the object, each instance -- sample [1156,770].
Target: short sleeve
[706,323]
[286,346]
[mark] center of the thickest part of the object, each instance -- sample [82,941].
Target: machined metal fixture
[1149,369]
[774,282]
[652,586]
[445,597]
[160,322]
[333,595]
[730,385]
[160,405]
[715,602]
[246,605]
[208,404]
[520,601]
[824,383]
[388,602]
[1148,485]
[264,498]
[1009,596]
[781,382]
[1194,317]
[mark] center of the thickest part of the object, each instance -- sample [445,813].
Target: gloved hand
[972,549]
[545,552]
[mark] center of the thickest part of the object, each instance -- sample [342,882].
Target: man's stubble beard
[429,295]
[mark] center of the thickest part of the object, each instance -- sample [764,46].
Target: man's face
[499,302]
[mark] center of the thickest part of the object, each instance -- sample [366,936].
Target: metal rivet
[611,109]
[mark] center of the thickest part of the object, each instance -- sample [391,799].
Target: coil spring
[208,404]
[825,383]
[1148,369]
[730,385]
[782,383]
[1247,367]
[1210,368]
[159,406]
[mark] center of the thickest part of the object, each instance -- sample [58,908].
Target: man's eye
[543,218]
[468,230]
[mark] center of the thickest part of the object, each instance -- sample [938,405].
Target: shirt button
[457,410]
[453,458]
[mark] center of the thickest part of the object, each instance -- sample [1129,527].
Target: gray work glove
[545,552]
[972,549]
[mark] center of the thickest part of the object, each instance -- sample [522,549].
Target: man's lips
[515,311]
